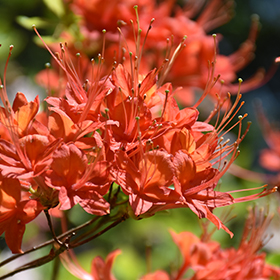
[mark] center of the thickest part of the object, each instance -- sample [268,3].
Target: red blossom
[79,182]
[125,128]
[207,260]
[150,142]
[198,50]
[146,178]
[15,213]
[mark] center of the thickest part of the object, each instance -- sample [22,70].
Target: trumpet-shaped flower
[15,212]
[79,182]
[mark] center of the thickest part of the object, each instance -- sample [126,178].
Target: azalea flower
[124,129]
[77,182]
[140,125]
[208,260]
[16,210]
[269,157]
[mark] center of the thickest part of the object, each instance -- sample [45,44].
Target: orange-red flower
[124,128]
[77,181]
[150,142]
[190,69]
[207,260]
[269,157]
[146,179]
[16,211]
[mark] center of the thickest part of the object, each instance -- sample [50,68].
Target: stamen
[103,44]
[142,50]
[211,71]
[171,61]
[79,72]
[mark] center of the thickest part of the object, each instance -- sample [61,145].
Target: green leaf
[273,259]
[47,39]
[27,22]
[56,6]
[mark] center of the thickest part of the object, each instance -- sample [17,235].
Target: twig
[54,253]
[73,245]
[36,263]
[68,233]
[52,229]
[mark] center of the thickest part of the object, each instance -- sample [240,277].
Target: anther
[149,142]
[121,23]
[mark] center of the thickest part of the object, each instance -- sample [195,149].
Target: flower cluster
[111,138]
[190,70]
[124,128]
